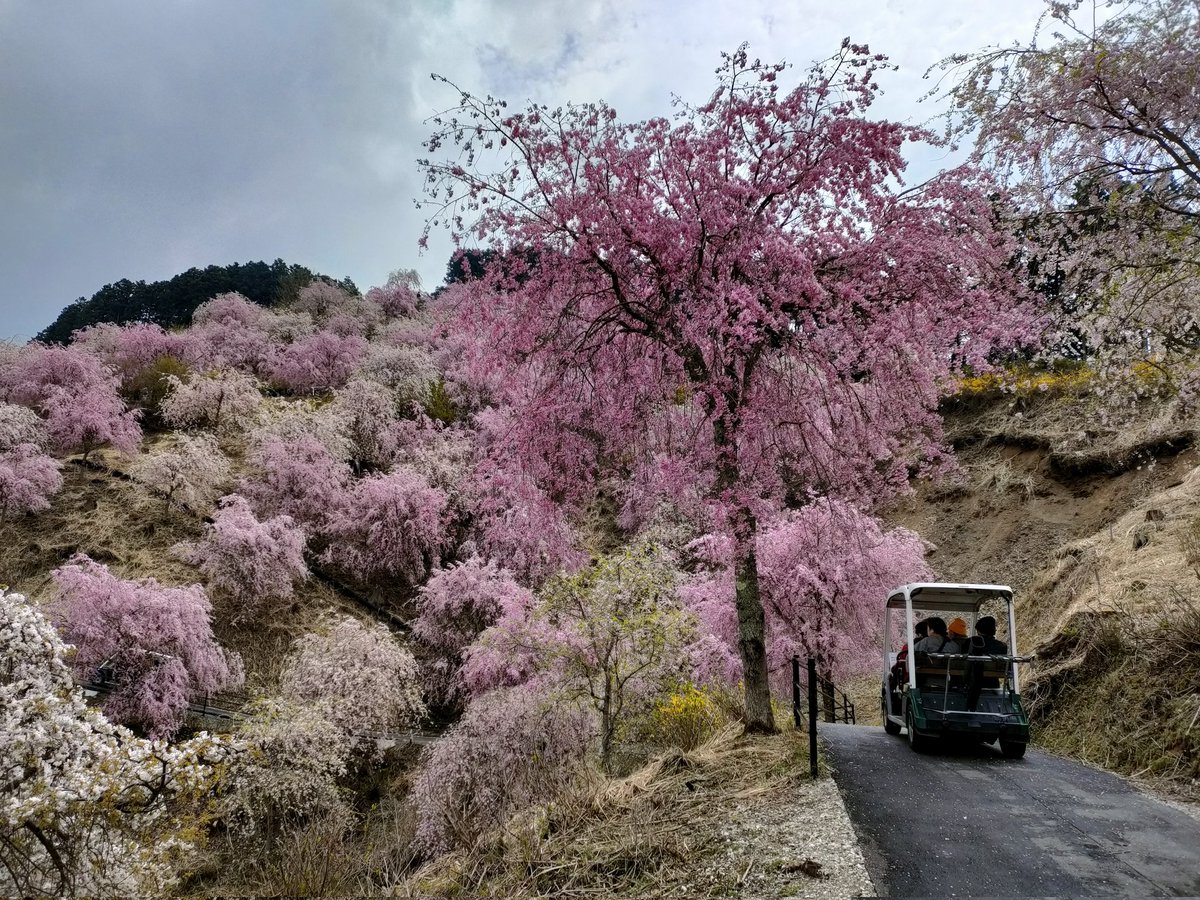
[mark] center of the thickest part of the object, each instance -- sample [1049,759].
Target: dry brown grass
[1122,690]
[1083,433]
[631,836]
[997,476]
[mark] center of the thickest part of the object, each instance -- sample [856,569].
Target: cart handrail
[995,657]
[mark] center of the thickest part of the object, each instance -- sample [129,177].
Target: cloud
[143,137]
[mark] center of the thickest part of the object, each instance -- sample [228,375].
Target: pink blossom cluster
[129,349]
[389,524]
[157,640]
[454,607]
[246,558]
[28,477]
[77,396]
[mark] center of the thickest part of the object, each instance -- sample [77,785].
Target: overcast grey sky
[139,138]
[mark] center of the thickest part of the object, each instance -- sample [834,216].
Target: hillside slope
[115,520]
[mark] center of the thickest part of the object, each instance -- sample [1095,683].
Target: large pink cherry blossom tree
[752,271]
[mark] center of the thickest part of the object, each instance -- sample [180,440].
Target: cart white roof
[948,597]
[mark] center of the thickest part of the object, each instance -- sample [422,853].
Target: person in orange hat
[957,631]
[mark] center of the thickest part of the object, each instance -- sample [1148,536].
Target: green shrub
[439,405]
[146,389]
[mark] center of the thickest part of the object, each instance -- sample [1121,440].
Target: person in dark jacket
[984,643]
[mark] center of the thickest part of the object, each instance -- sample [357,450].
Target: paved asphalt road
[965,822]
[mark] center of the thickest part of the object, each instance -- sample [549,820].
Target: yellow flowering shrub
[1026,383]
[685,718]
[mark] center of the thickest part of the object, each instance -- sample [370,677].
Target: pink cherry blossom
[158,641]
[389,525]
[249,559]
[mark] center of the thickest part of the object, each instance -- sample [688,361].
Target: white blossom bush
[367,413]
[513,748]
[302,419]
[20,425]
[409,371]
[358,676]
[445,456]
[321,300]
[284,326]
[288,772]
[192,473]
[86,808]
[223,402]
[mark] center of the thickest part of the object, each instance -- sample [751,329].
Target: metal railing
[838,707]
[834,704]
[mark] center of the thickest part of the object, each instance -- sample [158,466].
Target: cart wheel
[918,742]
[1012,749]
[888,725]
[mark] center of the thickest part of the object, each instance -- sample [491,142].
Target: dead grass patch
[630,836]
[1127,567]
[1122,690]
[1084,433]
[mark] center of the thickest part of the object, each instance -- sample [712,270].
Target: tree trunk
[752,629]
[606,727]
[752,620]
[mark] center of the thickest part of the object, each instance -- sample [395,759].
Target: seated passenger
[958,637]
[900,668]
[983,644]
[937,639]
[920,632]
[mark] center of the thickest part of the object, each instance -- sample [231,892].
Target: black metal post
[812,716]
[796,691]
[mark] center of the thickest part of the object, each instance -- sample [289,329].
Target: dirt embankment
[1014,518]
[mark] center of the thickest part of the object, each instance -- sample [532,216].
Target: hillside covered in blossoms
[581,504]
